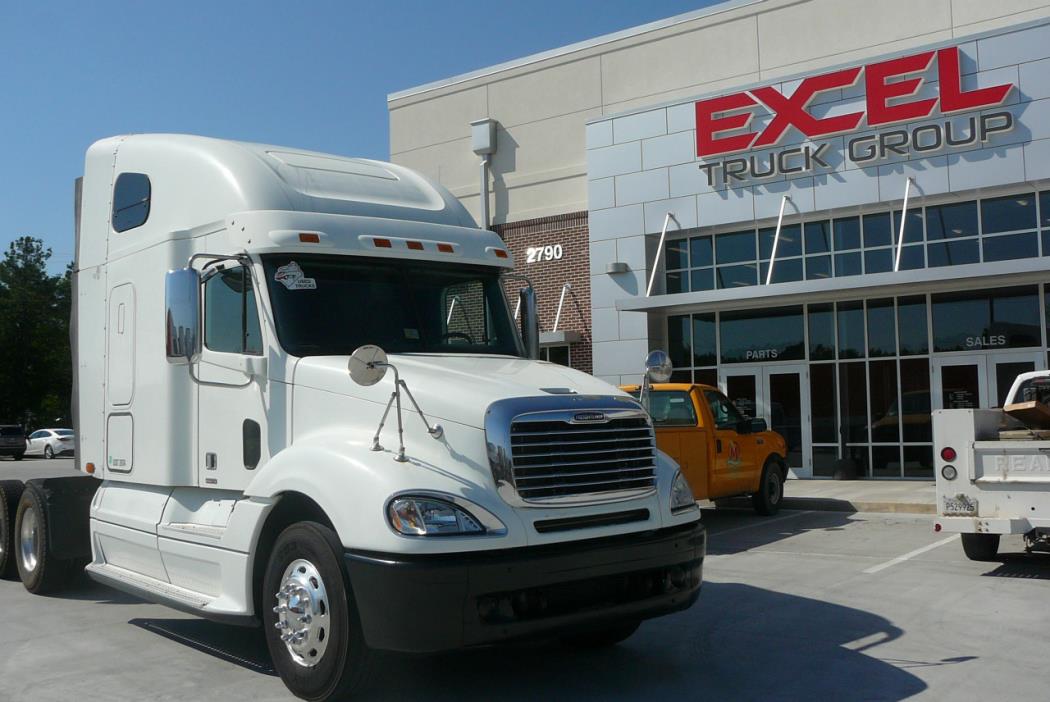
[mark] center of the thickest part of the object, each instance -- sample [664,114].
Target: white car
[50,442]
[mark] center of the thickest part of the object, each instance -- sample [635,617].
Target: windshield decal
[291,276]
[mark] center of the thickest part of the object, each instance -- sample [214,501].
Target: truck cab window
[131,201]
[672,408]
[231,318]
[725,414]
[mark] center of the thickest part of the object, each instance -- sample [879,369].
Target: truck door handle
[211,461]
[718,446]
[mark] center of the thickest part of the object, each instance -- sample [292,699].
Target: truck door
[679,435]
[734,455]
[232,399]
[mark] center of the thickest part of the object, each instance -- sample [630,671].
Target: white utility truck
[993,472]
[302,403]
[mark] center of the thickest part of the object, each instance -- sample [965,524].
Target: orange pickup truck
[720,452]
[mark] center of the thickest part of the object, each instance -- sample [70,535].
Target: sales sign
[890,90]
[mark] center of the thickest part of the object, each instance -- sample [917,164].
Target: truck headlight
[681,494]
[426,516]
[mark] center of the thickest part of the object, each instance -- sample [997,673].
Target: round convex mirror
[367,365]
[658,366]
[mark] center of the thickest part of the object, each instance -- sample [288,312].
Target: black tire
[770,490]
[49,452]
[980,547]
[602,638]
[10,492]
[19,456]
[344,662]
[43,573]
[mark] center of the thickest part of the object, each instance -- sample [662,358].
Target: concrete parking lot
[804,605]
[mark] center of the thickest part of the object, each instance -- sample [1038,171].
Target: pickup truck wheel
[980,547]
[18,456]
[41,572]
[312,627]
[10,491]
[602,638]
[771,490]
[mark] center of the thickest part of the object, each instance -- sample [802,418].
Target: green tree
[35,368]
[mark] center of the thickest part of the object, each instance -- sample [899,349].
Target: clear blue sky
[308,74]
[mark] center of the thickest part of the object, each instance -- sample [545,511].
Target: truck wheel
[310,618]
[40,571]
[10,491]
[602,638]
[980,547]
[18,456]
[771,490]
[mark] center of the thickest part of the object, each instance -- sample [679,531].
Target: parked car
[12,441]
[50,443]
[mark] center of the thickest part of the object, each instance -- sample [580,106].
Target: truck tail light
[948,454]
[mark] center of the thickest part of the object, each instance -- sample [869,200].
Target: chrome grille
[557,458]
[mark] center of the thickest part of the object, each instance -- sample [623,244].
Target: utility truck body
[993,472]
[447,490]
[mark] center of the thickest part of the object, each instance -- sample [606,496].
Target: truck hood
[452,387]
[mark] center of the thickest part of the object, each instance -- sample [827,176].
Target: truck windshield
[330,305]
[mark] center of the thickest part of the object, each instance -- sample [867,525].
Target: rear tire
[41,572]
[771,490]
[602,638]
[306,572]
[18,456]
[49,452]
[980,547]
[10,492]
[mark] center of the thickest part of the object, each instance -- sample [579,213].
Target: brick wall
[548,276]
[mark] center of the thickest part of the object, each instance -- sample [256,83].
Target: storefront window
[679,340]
[677,254]
[918,461]
[878,261]
[851,329]
[847,233]
[912,226]
[1010,246]
[951,221]
[972,321]
[882,337]
[848,264]
[915,399]
[822,403]
[818,267]
[735,247]
[821,332]
[1008,214]
[885,412]
[677,282]
[953,253]
[790,243]
[702,279]
[700,252]
[818,237]
[783,271]
[762,335]
[885,461]
[704,353]
[736,276]
[877,230]
[853,402]
[911,325]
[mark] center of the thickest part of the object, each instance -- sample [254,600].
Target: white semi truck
[302,403]
[993,473]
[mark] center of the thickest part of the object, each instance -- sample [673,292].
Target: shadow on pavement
[1022,566]
[732,531]
[739,642]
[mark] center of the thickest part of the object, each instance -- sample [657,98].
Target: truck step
[147,588]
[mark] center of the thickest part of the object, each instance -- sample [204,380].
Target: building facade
[838,212]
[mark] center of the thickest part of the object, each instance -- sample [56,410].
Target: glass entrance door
[980,380]
[780,395]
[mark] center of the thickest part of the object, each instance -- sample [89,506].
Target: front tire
[310,618]
[41,572]
[49,453]
[10,492]
[602,638]
[771,490]
[19,456]
[980,547]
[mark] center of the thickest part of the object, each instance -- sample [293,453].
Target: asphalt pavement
[805,605]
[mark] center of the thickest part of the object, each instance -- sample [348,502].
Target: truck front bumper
[440,602]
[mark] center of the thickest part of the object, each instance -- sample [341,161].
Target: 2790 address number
[538,254]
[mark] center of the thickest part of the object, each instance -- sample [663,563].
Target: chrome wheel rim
[773,485]
[27,536]
[303,613]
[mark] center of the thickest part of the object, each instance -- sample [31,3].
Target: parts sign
[890,90]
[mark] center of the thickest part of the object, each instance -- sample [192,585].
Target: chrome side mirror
[182,316]
[658,366]
[530,322]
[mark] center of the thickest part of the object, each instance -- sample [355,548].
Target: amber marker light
[89,468]
[309,238]
[415,245]
[500,253]
[445,248]
[382,243]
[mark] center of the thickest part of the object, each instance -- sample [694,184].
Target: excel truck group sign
[724,124]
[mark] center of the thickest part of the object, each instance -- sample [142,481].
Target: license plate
[960,506]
